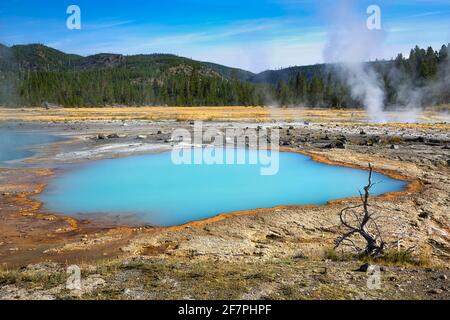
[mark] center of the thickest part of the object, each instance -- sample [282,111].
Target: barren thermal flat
[259,244]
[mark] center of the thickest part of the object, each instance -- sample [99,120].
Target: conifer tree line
[121,86]
[181,84]
[424,72]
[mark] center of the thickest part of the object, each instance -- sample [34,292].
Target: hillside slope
[32,75]
[37,57]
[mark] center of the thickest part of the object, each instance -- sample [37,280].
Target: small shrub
[425,257]
[398,257]
[406,257]
[32,279]
[394,140]
[287,290]
[334,255]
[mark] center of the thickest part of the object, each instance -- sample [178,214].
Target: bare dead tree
[358,221]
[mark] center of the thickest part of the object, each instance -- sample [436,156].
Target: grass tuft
[334,255]
[407,258]
[46,280]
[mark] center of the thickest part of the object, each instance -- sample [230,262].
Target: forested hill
[37,57]
[34,75]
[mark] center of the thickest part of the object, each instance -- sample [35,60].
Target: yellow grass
[254,114]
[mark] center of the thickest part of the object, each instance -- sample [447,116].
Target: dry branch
[358,221]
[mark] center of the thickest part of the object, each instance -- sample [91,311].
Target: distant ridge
[38,57]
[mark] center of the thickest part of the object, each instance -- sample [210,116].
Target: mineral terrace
[280,253]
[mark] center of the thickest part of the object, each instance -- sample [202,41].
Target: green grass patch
[32,279]
[335,255]
[405,258]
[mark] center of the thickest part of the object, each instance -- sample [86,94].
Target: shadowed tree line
[422,78]
[34,75]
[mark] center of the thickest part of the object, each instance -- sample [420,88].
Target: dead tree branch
[361,223]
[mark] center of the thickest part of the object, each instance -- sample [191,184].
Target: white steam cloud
[350,44]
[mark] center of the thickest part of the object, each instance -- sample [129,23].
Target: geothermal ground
[279,253]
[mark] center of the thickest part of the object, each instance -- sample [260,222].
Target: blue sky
[250,34]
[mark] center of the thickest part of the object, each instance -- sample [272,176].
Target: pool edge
[412,186]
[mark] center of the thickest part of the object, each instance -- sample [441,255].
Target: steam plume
[350,44]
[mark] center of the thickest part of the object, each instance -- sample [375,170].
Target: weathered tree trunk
[360,225]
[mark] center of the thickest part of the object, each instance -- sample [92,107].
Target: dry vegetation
[258,114]
[298,277]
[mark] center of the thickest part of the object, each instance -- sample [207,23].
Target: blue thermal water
[162,193]
[15,145]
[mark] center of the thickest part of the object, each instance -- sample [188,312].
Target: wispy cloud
[106,25]
[256,35]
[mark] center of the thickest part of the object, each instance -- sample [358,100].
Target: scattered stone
[299,256]
[394,147]
[338,144]
[322,270]
[363,268]
[49,106]
[376,139]
[274,236]
[362,132]
[443,277]
[425,215]
[417,139]
[435,291]
[341,138]
[141,137]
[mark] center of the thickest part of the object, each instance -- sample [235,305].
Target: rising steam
[350,44]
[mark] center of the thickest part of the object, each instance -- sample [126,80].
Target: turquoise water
[161,193]
[15,145]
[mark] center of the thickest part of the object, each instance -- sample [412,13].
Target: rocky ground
[281,253]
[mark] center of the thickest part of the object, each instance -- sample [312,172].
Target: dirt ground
[278,253]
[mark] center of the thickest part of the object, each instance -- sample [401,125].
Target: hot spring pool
[16,145]
[161,193]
